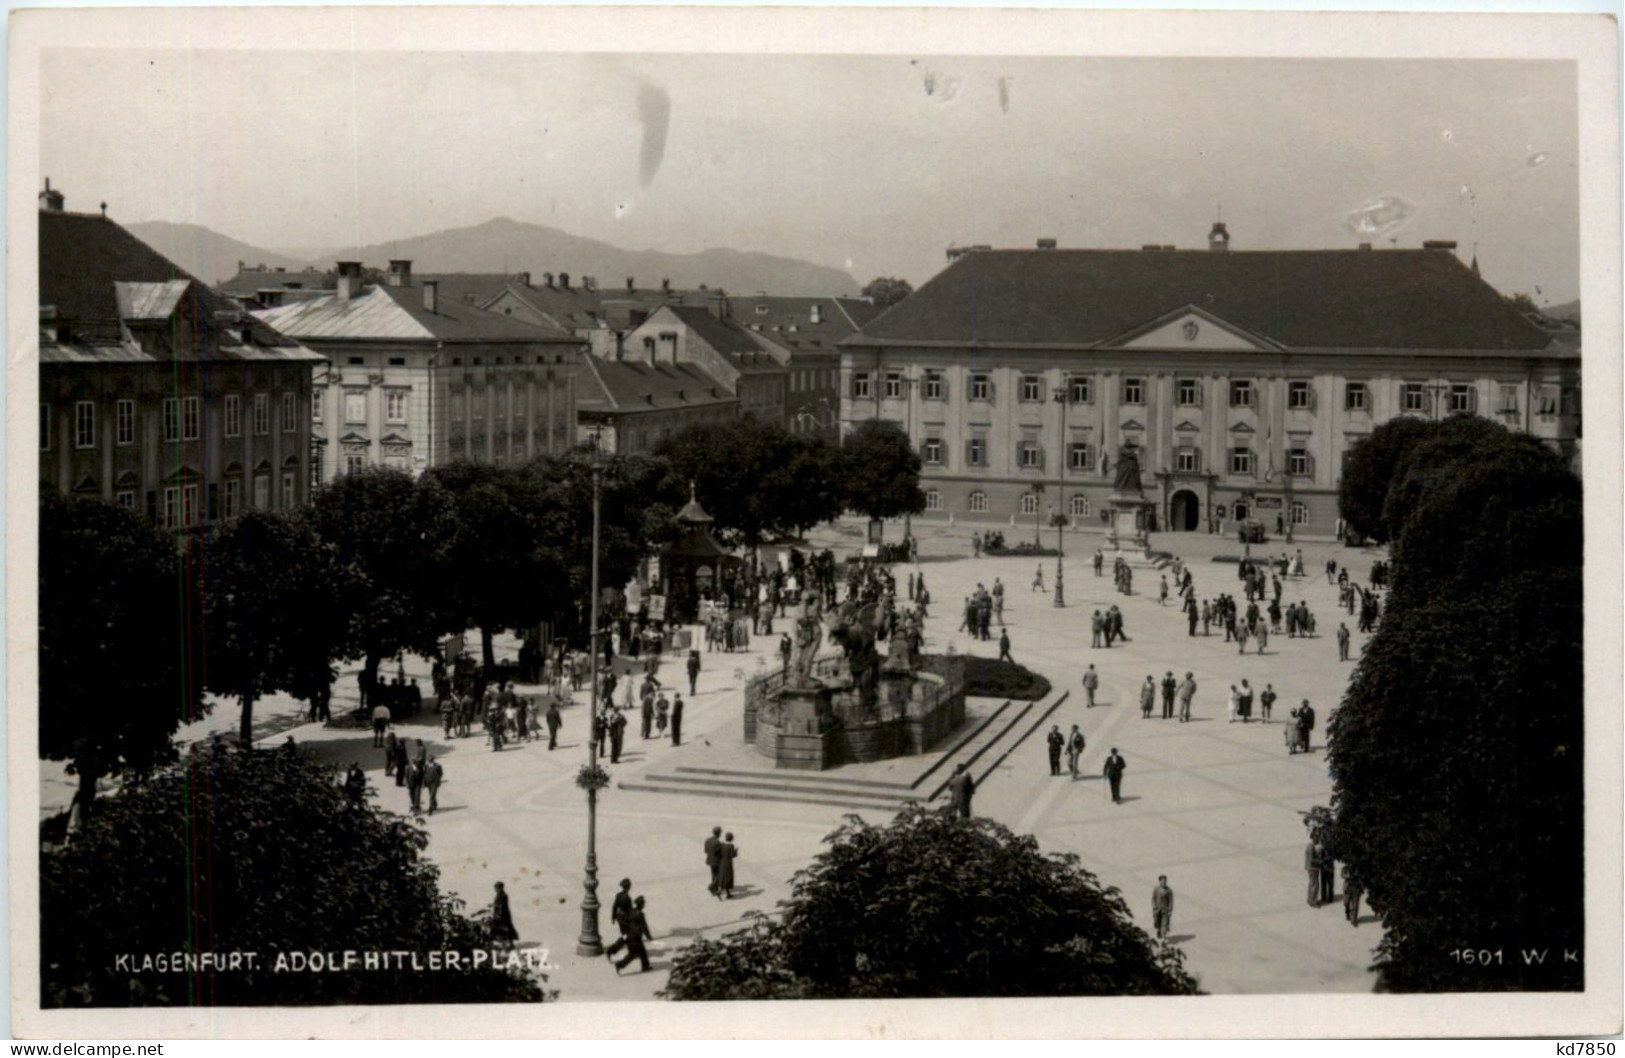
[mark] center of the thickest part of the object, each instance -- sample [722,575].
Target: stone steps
[769,786]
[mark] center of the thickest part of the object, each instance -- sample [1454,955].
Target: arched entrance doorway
[1184,511]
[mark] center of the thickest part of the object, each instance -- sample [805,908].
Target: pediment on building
[1187,427]
[353,438]
[183,474]
[1131,424]
[1192,328]
[1242,428]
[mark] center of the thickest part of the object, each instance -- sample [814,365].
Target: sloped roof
[788,321]
[617,385]
[575,309]
[398,313]
[1350,299]
[105,285]
[250,281]
[721,335]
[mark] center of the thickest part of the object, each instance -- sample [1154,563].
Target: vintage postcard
[1110,518]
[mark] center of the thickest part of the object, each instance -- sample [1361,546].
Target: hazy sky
[874,164]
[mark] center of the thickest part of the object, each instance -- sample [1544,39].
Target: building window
[172,419]
[1032,456]
[262,414]
[1509,399]
[172,508]
[124,422]
[1078,506]
[289,490]
[1187,459]
[1029,503]
[354,461]
[190,416]
[234,415]
[1413,397]
[355,407]
[1299,513]
[934,389]
[1356,397]
[931,452]
[978,503]
[1298,463]
[976,452]
[1299,396]
[981,387]
[395,406]
[125,498]
[1079,390]
[1463,398]
[1133,391]
[1241,461]
[262,491]
[933,500]
[1190,392]
[317,399]
[894,385]
[189,508]
[860,385]
[1241,393]
[1570,400]
[1079,458]
[1546,405]
[84,424]
[234,497]
[44,427]
[1032,389]
[290,413]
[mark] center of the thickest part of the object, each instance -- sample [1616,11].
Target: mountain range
[504,245]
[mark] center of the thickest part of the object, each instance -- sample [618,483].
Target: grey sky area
[876,165]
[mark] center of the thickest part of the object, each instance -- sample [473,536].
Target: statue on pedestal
[809,637]
[1127,481]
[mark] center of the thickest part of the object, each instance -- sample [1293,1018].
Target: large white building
[1241,378]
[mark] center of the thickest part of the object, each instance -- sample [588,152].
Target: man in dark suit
[712,844]
[1056,742]
[637,931]
[553,722]
[1169,687]
[677,720]
[962,788]
[620,913]
[1114,774]
[617,735]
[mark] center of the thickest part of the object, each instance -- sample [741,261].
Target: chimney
[1168,247]
[719,306]
[431,295]
[665,286]
[817,313]
[1366,247]
[547,278]
[1046,244]
[1441,245]
[400,273]
[564,280]
[523,278]
[349,284]
[589,283]
[52,200]
[631,285]
[1218,240]
[1150,247]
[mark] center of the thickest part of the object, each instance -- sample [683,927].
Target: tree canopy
[1457,752]
[932,906]
[880,471]
[1363,489]
[114,684]
[253,851]
[886,291]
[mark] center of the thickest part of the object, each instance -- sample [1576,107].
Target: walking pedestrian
[1263,636]
[1170,687]
[1266,699]
[1091,681]
[1187,691]
[502,919]
[1115,766]
[620,913]
[1162,593]
[1004,648]
[617,734]
[1162,907]
[662,712]
[389,752]
[727,852]
[1075,746]
[1096,625]
[647,711]
[1342,642]
[1246,702]
[962,788]
[380,724]
[1311,865]
[1148,697]
[355,783]
[712,844]
[554,720]
[1233,704]
[693,672]
[677,719]
[1038,578]
[433,776]
[1351,898]
[414,786]
[1056,741]
[637,931]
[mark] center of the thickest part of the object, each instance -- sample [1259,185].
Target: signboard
[877,531]
[657,607]
[1269,503]
[871,550]
[452,648]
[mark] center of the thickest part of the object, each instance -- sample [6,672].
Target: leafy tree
[254,851]
[887,291]
[880,471]
[272,609]
[756,479]
[113,680]
[386,534]
[1369,471]
[931,906]
[494,569]
[1522,302]
[1458,749]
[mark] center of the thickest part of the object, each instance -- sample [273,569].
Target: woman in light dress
[1234,703]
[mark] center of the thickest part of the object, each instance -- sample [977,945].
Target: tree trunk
[369,676]
[487,651]
[85,798]
[245,729]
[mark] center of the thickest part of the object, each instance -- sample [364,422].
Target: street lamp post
[1061,396]
[590,943]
